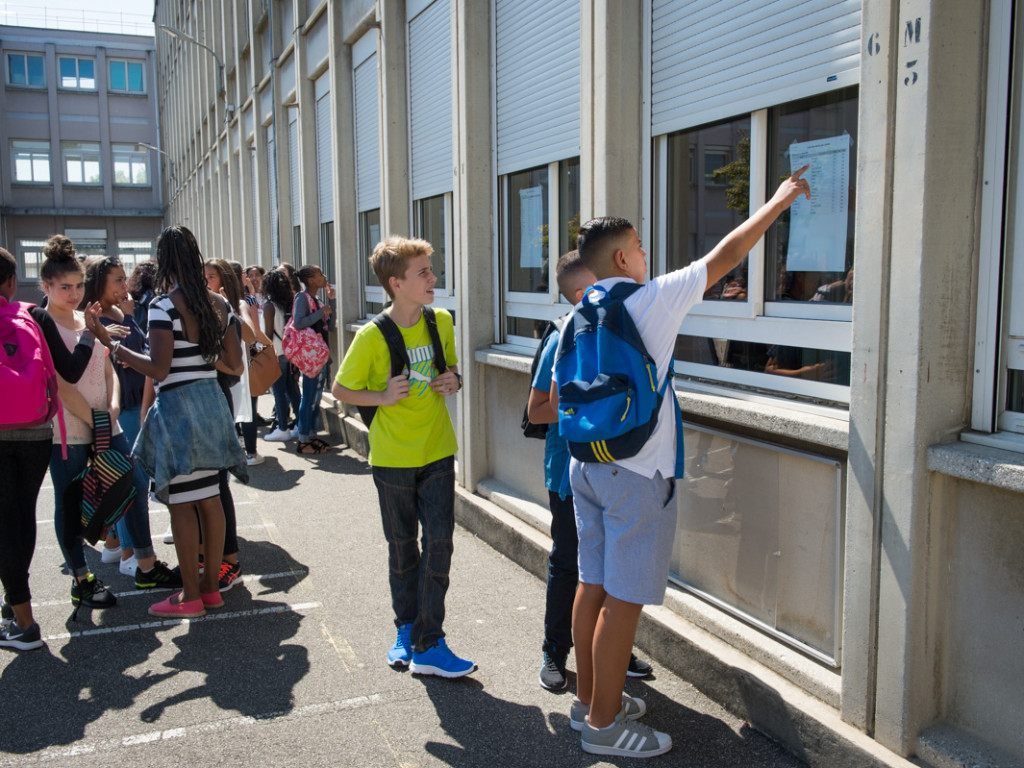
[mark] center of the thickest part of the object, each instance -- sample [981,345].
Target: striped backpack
[101,493]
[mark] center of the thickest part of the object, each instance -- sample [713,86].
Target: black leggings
[23,466]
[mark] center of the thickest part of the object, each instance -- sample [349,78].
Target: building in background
[852,519]
[78,134]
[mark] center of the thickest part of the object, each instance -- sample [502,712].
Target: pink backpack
[28,378]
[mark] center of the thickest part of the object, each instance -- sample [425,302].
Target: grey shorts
[626,524]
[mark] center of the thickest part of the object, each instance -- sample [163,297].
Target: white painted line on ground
[135,592]
[199,729]
[158,623]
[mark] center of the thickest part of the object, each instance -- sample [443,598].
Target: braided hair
[180,264]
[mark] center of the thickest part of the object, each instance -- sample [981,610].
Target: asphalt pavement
[292,671]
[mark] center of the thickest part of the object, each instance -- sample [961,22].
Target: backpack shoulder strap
[396,344]
[101,430]
[435,338]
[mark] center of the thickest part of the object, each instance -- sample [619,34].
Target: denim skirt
[189,428]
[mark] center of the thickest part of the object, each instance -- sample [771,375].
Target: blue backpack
[608,391]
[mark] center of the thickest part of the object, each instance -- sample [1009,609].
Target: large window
[780,321]
[998,407]
[77,73]
[26,69]
[126,76]
[30,161]
[540,221]
[369,236]
[131,165]
[430,222]
[132,252]
[81,162]
[31,253]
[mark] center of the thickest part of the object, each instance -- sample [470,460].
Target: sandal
[321,445]
[310,449]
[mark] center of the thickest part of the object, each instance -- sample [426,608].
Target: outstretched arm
[727,255]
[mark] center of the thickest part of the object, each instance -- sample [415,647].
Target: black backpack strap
[435,338]
[396,344]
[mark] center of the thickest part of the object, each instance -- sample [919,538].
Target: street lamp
[228,108]
[170,160]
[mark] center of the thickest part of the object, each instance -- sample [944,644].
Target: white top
[658,309]
[92,386]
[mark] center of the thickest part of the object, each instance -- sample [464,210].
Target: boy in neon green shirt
[412,452]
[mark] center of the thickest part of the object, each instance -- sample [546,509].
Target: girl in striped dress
[188,435]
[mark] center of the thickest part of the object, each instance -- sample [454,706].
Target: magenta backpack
[28,379]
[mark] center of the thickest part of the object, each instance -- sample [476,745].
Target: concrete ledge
[948,746]
[510,361]
[979,464]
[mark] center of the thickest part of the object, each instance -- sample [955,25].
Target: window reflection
[708,196]
[527,208]
[779,360]
[825,116]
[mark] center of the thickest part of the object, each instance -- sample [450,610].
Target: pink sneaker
[212,600]
[178,610]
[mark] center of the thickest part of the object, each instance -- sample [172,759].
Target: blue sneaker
[401,652]
[440,661]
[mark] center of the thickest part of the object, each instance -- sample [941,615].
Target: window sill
[802,423]
[970,460]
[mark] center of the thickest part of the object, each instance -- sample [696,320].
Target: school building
[848,551]
[79,134]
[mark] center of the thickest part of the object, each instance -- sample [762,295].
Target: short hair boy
[626,509]
[573,279]
[412,452]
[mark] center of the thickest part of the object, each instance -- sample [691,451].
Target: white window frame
[443,297]
[26,248]
[131,252]
[134,158]
[521,304]
[34,150]
[824,327]
[372,294]
[68,150]
[77,86]
[127,82]
[1001,262]
[25,57]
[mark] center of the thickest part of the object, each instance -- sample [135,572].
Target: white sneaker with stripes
[625,738]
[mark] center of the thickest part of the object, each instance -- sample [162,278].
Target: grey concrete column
[876,113]
[611,141]
[309,210]
[938,80]
[346,237]
[475,223]
[396,215]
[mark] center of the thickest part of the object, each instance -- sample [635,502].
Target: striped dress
[187,365]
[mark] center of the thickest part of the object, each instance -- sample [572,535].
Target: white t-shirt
[658,309]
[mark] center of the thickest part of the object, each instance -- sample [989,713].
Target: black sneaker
[230,575]
[6,614]
[159,576]
[638,668]
[22,639]
[552,671]
[92,594]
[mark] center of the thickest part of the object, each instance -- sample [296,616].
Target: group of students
[168,387]
[613,522]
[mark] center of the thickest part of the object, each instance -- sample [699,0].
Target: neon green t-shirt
[417,430]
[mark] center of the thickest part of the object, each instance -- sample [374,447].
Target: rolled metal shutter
[367,135]
[324,155]
[430,101]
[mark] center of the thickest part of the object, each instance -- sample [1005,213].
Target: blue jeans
[63,472]
[418,573]
[312,386]
[563,574]
[130,421]
[286,393]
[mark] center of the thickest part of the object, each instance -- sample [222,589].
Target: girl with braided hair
[188,435]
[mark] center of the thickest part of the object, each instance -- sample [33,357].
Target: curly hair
[96,270]
[180,265]
[143,278]
[277,287]
[59,258]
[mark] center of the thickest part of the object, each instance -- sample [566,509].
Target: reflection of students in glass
[838,292]
[789,361]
